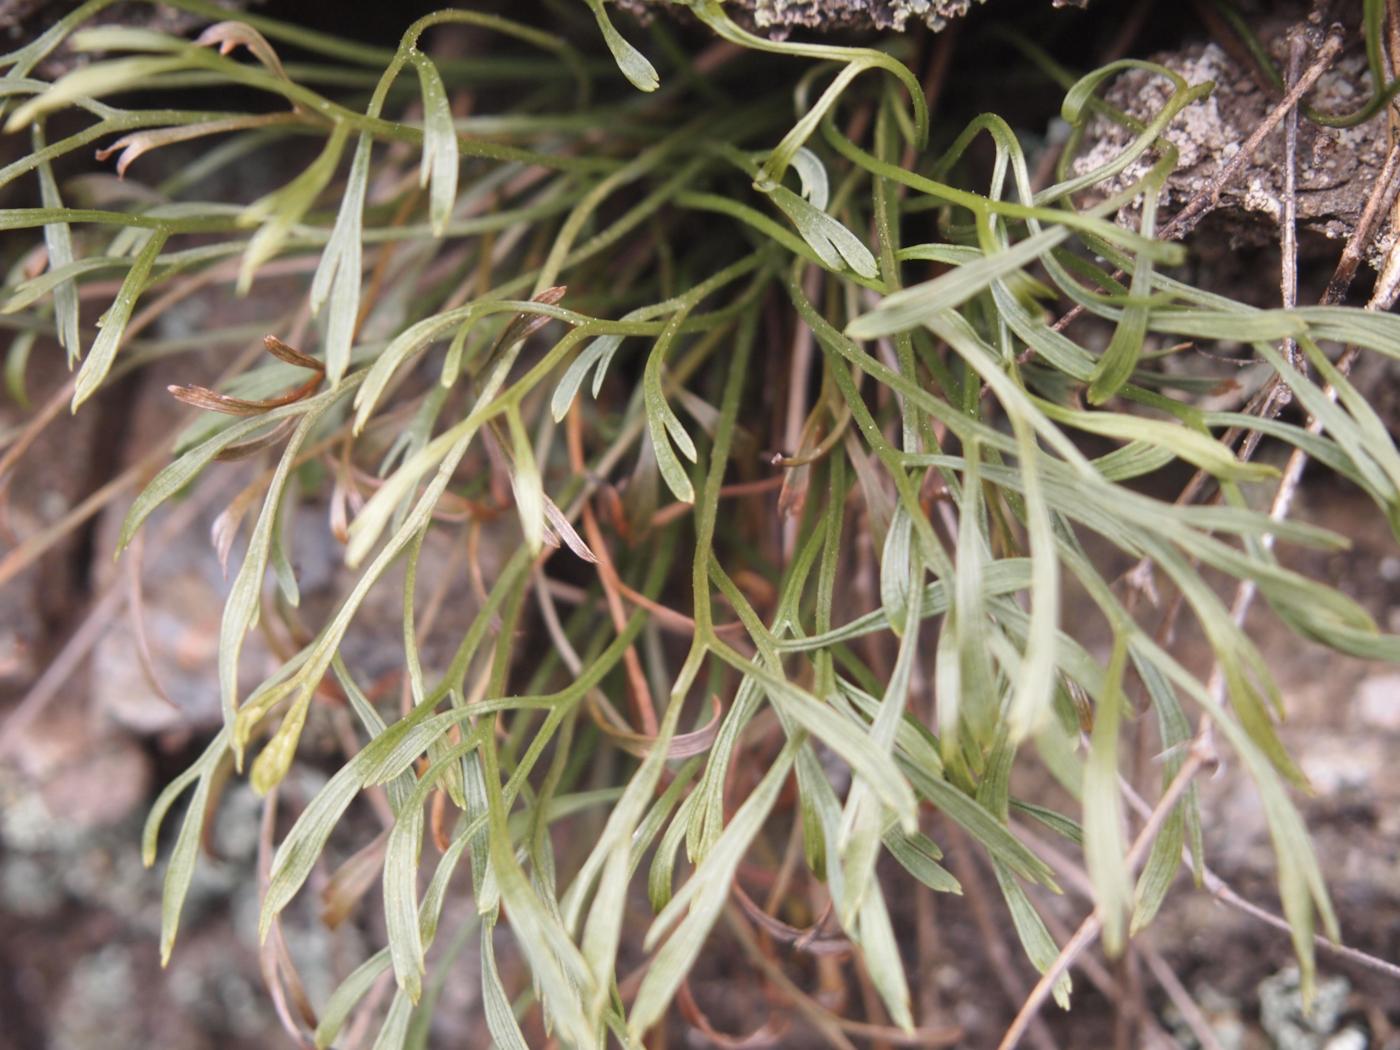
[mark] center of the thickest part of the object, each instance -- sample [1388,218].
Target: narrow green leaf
[1196,448]
[403,346]
[58,239]
[554,960]
[663,425]
[337,279]
[17,366]
[441,161]
[112,324]
[1121,358]
[1035,682]
[919,856]
[1005,576]
[394,1030]
[1164,861]
[92,81]
[30,291]
[897,573]
[816,187]
[1133,460]
[597,353]
[633,63]
[978,704]
[1056,822]
[910,307]
[381,759]
[603,931]
[859,842]
[663,862]
[834,244]
[1105,852]
[401,858]
[180,871]
[176,475]
[526,483]
[350,991]
[836,731]
[282,569]
[1039,946]
[241,606]
[347,996]
[277,212]
[880,950]
[703,896]
[981,825]
[500,1018]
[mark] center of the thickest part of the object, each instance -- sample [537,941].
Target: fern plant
[560,325]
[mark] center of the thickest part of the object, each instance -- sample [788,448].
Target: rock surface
[779,17]
[1337,167]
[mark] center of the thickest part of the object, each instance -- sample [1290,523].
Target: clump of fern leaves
[555,323]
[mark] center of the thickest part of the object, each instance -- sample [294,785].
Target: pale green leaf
[112,324]
[919,856]
[440,164]
[337,279]
[702,898]
[1105,851]
[834,244]
[527,485]
[58,238]
[633,63]
[1039,946]
[816,187]
[381,759]
[276,213]
[500,1018]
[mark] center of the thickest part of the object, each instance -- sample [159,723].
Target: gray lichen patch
[881,14]
[1337,168]
[779,17]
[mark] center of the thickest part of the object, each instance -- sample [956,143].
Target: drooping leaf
[633,63]
[440,164]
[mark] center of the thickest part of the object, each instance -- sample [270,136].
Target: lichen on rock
[777,18]
[1337,167]
[880,14]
